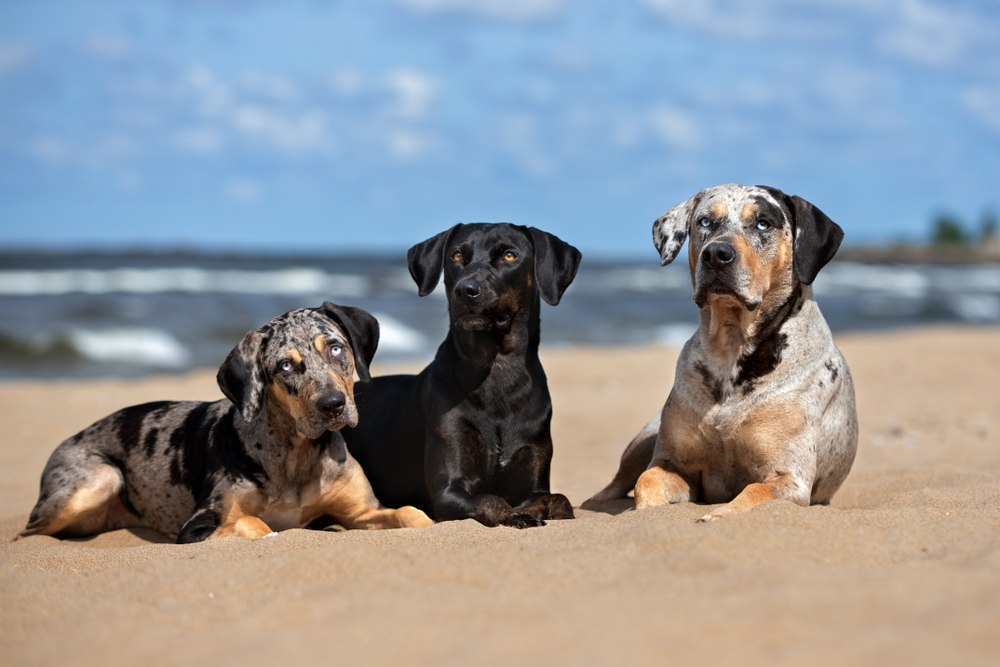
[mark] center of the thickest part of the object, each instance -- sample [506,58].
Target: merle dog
[469,437]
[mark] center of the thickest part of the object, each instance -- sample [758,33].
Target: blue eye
[763,225]
[286,366]
[336,350]
[705,222]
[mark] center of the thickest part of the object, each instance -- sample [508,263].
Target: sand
[902,567]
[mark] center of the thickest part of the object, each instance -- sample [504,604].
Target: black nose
[332,403]
[718,255]
[469,288]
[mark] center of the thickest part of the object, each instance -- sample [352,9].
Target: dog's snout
[469,288]
[331,403]
[718,255]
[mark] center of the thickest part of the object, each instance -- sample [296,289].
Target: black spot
[128,422]
[190,445]
[761,361]
[680,235]
[713,385]
[230,454]
[832,367]
[150,441]
[258,447]
[770,343]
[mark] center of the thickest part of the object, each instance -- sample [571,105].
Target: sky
[328,126]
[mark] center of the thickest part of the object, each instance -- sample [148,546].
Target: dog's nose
[718,255]
[469,288]
[332,403]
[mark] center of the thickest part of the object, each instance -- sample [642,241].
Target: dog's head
[492,272]
[304,363]
[747,242]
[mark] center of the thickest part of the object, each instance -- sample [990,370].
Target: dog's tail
[635,459]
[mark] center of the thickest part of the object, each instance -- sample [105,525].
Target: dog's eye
[704,223]
[509,256]
[336,350]
[286,366]
[456,256]
[763,225]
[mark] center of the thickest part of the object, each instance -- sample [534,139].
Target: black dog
[469,437]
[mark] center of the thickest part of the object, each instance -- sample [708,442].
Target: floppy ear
[556,264]
[362,331]
[241,376]
[671,228]
[426,260]
[817,239]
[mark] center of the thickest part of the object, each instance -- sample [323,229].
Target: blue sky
[326,125]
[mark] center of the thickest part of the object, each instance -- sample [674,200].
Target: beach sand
[903,566]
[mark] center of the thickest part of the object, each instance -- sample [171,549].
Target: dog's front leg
[348,497]
[782,487]
[456,502]
[231,510]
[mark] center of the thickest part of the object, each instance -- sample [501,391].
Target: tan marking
[719,210]
[90,507]
[348,498]
[658,486]
[319,343]
[290,405]
[767,430]
[238,515]
[753,495]
[755,266]
[749,212]
[295,356]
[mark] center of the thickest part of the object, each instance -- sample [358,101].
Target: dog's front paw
[714,515]
[560,507]
[521,520]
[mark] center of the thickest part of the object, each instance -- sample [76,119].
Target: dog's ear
[556,264]
[241,376]
[671,228]
[426,260]
[362,330]
[817,239]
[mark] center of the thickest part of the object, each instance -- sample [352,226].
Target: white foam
[182,279]
[136,347]
[979,308]
[396,337]
[674,335]
[848,278]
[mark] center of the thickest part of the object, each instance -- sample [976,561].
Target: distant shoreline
[921,254]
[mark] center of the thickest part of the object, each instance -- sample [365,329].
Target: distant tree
[948,231]
[988,227]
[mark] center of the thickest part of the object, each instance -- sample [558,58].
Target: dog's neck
[729,333]
[478,352]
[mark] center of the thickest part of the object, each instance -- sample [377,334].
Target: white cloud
[413,92]
[938,35]
[270,86]
[726,18]
[984,104]
[506,10]
[108,46]
[674,127]
[406,145]
[518,136]
[293,132]
[13,58]
[199,140]
[243,190]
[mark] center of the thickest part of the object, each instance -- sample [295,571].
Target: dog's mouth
[717,286]
[483,321]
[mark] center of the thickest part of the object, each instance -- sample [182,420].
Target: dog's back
[388,441]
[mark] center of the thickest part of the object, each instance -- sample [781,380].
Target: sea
[132,313]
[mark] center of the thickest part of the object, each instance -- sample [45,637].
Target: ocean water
[129,314]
